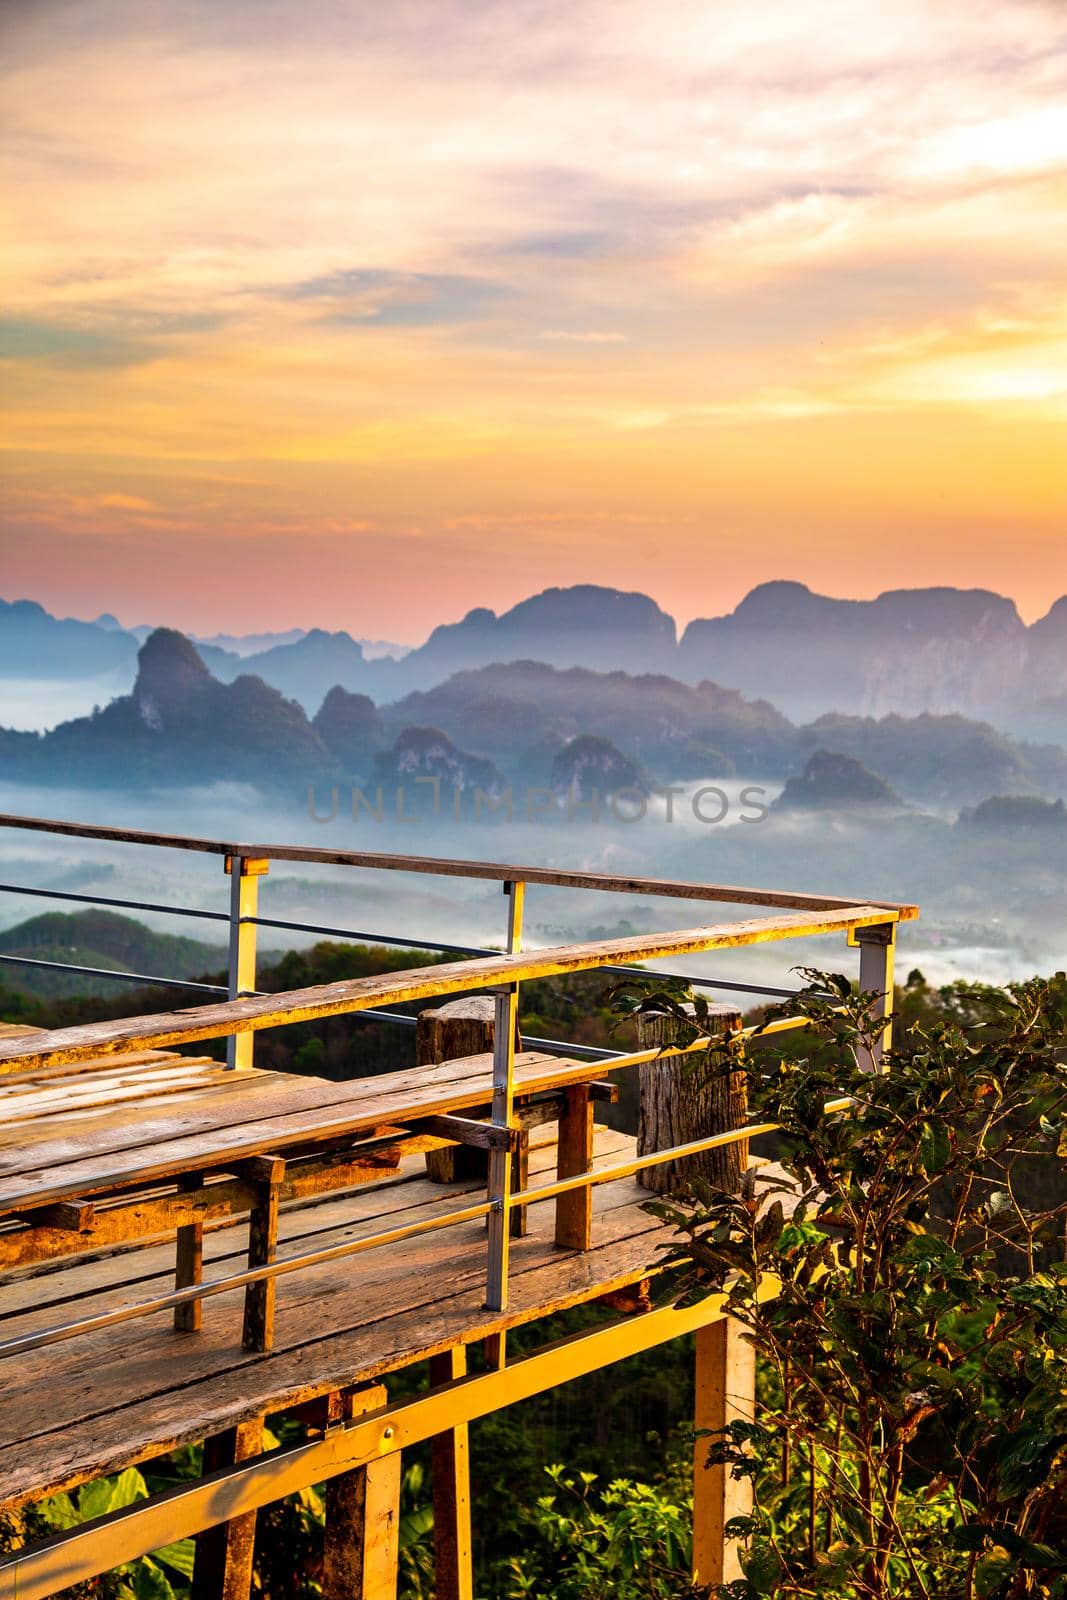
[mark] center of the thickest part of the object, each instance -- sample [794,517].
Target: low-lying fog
[992,909]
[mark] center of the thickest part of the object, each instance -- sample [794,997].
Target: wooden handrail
[360,994]
[500,872]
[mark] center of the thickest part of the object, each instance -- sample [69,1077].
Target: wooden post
[454,1575]
[877,949]
[267,1172]
[725,1392]
[222,1566]
[445,1033]
[245,873]
[574,1211]
[189,1265]
[679,1102]
[362,1541]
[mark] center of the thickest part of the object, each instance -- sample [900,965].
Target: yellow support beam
[79,1554]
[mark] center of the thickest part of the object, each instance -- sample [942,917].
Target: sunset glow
[304,301]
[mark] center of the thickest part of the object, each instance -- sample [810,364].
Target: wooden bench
[156,1144]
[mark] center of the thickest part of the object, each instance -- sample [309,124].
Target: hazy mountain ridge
[496,725]
[940,650]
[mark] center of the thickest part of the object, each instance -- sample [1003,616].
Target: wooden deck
[124,1394]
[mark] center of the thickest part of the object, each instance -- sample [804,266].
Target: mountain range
[909,651]
[524,723]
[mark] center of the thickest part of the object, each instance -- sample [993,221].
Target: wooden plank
[72,1100]
[357,994]
[304,1223]
[450,1481]
[203,1204]
[219,1147]
[156,1387]
[148,1428]
[443,867]
[251,1098]
[362,1537]
[574,1211]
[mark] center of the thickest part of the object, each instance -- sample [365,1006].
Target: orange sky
[360,316]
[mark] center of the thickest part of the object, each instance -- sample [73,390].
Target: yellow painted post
[453,1561]
[725,1392]
[877,946]
[362,1544]
[244,874]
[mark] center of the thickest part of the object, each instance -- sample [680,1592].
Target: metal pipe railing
[145,978]
[238,1280]
[110,900]
[500,973]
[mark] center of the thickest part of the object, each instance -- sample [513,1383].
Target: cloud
[399,299]
[582,336]
[61,345]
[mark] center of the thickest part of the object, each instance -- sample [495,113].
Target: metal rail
[238,1280]
[110,900]
[147,979]
[443,867]
[872,923]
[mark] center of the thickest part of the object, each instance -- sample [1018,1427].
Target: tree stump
[444,1033]
[680,1102]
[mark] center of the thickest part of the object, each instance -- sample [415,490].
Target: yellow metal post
[362,1542]
[725,1392]
[453,1568]
[244,873]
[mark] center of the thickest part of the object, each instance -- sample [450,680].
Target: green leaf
[179,1556]
[934,1146]
[111,1494]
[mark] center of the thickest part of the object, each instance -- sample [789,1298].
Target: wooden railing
[871,925]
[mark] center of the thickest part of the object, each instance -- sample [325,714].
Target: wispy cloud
[446,259]
[582,336]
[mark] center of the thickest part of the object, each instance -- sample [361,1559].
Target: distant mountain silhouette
[178,726]
[1016,813]
[310,666]
[590,764]
[910,651]
[350,727]
[429,753]
[181,726]
[522,714]
[35,644]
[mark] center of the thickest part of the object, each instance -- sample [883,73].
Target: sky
[360,316]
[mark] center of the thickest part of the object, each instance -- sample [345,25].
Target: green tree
[912,1439]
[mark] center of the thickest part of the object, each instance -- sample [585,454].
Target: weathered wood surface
[224,1018]
[459,1028]
[494,871]
[268,1111]
[124,1394]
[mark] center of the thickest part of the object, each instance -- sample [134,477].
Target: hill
[178,727]
[832,782]
[99,938]
[523,713]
